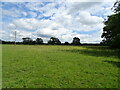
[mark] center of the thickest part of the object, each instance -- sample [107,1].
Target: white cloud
[49,28]
[19,0]
[24,13]
[90,0]
[33,5]
[75,7]
[26,24]
[65,23]
[91,38]
[87,19]
[57,0]
[12,13]
[33,14]
[6,35]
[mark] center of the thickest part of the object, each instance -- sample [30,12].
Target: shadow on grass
[115,63]
[97,51]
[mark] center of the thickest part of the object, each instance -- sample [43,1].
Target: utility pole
[15,37]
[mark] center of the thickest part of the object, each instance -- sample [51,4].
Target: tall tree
[54,41]
[66,43]
[76,41]
[27,40]
[39,41]
[111,31]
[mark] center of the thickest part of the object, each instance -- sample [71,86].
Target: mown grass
[41,66]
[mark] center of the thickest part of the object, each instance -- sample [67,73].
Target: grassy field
[40,66]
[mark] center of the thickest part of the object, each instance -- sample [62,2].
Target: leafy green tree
[27,40]
[111,31]
[54,41]
[39,41]
[116,6]
[66,43]
[76,41]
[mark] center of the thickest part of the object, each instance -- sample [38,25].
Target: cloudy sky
[63,19]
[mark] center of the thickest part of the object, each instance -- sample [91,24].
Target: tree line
[39,41]
[52,41]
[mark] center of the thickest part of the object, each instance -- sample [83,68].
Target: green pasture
[47,66]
